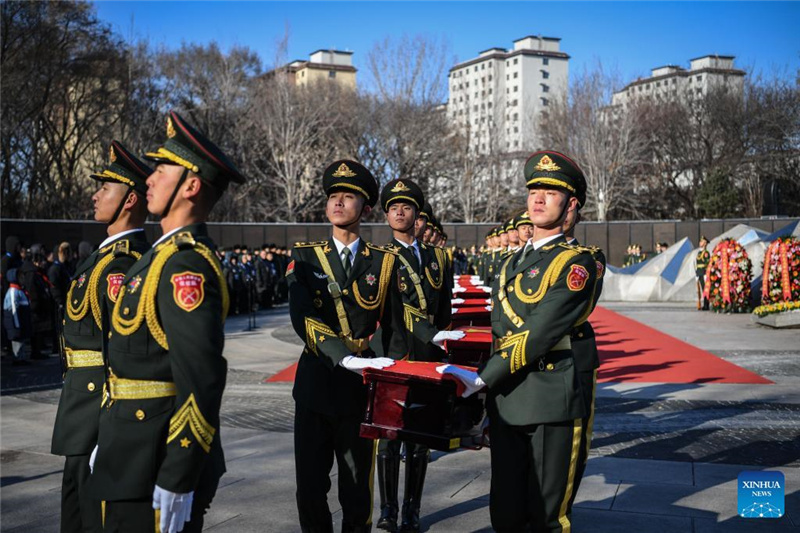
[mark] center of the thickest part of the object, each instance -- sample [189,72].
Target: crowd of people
[255,277]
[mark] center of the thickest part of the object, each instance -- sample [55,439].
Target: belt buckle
[334,290]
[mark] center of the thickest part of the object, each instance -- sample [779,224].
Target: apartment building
[334,66]
[498,97]
[674,82]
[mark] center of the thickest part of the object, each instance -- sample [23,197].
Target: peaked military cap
[555,170]
[523,219]
[426,211]
[124,167]
[187,147]
[402,190]
[351,176]
[509,225]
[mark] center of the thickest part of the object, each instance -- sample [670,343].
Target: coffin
[472,349]
[411,401]
[471,316]
[471,293]
[471,302]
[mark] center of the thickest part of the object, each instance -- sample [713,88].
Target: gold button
[140,414]
[126,311]
[580,334]
[319,292]
[508,333]
[90,386]
[417,319]
[550,366]
[530,291]
[511,289]
[75,302]
[345,292]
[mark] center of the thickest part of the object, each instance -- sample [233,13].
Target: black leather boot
[416,467]
[388,481]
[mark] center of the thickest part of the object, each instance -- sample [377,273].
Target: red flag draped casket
[473,348]
[413,402]
[471,316]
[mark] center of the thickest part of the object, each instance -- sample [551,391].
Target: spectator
[35,283]
[60,273]
[17,318]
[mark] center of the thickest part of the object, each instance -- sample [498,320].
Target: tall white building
[673,82]
[498,96]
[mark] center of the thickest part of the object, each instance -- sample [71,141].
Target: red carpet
[633,352]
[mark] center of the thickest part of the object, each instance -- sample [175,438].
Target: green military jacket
[531,375]
[91,296]
[701,263]
[584,346]
[167,374]
[425,295]
[335,315]
[491,266]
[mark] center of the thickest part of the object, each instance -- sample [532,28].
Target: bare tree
[608,143]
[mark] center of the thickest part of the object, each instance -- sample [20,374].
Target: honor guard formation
[408,346]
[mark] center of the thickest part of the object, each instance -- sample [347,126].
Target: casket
[472,349]
[471,302]
[471,293]
[471,316]
[411,401]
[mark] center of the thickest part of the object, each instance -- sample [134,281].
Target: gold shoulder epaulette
[309,244]
[577,247]
[122,247]
[387,248]
[184,240]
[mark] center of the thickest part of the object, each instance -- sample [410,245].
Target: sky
[629,38]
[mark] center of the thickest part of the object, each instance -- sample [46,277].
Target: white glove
[358,364]
[459,289]
[176,509]
[475,278]
[471,380]
[92,457]
[457,300]
[488,307]
[453,310]
[442,336]
[486,289]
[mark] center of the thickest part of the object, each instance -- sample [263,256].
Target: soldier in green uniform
[338,292]
[701,264]
[534,404]
[120,204]
[524,227]
[159,456]
[425,305]
[584,345]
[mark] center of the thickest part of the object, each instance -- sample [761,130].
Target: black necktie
[525,252]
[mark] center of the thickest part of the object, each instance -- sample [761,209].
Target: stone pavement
[665,457]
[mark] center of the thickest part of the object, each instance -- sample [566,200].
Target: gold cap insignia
[111,155]
[400,187]
[170,128]
[343,172]
[546,164]
[525,215]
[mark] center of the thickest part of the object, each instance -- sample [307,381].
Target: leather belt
[83,358]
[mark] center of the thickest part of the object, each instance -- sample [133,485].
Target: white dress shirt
[119,235]
[353,248]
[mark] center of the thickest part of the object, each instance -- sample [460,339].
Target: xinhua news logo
[761,494]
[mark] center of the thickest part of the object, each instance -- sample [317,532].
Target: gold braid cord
[438,254]
[383,286]
[513,348]
[550,276]
[190,414]
[503,297]
[147,308]
[313,328]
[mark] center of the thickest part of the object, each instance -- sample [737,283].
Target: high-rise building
[674,82]
[497,97]
[333,66]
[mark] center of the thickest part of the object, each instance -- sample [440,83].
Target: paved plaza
[665,457]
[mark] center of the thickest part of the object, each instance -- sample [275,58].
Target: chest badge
[134,284]
[434,266]
[82,280]
[370,279]
[532,273]
[187,290]
[114,284]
